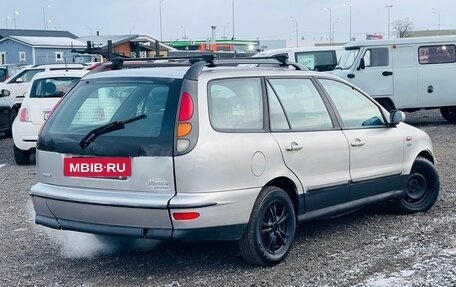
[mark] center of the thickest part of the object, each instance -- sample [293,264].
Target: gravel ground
[371,247]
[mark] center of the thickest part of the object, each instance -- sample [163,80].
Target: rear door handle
[387,73]
[294,146]
[357,143]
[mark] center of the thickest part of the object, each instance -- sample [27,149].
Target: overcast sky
[263,19]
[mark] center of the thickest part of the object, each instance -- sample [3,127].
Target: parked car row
[152,153]
[18,85]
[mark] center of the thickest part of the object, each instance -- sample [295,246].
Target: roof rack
[197,63]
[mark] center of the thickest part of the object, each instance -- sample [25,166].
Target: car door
[312,146]
[376,149]
[375,73]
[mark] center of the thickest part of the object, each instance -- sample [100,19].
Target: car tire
[13,115]
[22,157]
[449,113]
[422,188]
[271,230]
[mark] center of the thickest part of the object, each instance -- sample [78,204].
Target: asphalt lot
[371,247]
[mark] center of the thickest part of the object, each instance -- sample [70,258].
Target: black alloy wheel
[271,229]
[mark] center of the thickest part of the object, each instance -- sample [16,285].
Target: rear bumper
[223,215]
[25,135]
[231,232]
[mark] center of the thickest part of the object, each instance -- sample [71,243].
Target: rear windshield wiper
[107,128]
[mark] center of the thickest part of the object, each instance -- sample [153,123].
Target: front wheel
[422,187]
[271,229]
[449,113]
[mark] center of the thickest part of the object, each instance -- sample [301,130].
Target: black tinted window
[437,54]
[92,104]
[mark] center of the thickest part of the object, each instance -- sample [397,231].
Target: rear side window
[92,104]
[318,60]
[301,104]
[236,104]
[355,109]
[437,54]
[52,87]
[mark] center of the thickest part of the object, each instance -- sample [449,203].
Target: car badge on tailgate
[110,167]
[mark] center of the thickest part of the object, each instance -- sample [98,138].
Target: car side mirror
[19,80]
[396,117]
[362,64]
[4,93]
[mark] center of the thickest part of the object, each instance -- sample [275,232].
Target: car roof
[53,66]
[157,72]
[207,72]
[61,73]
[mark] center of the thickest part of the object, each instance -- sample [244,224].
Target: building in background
[27,47]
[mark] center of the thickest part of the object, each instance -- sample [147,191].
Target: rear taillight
[184,126]
[185,215]
[24,115]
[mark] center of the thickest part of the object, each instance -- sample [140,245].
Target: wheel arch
[290,188]
[427,155]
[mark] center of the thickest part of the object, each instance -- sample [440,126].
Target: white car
[44,93]
[19,84]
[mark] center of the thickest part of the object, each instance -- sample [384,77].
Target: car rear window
[52,87]
[93,103]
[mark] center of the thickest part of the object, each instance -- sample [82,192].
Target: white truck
[408,74]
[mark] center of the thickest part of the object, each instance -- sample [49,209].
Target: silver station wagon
[212,151]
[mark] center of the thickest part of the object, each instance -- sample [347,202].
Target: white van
[314,58]
[407,74]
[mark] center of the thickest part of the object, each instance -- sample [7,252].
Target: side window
[303,106]
[59,57]
[22,57]
[278,120]
[318,60]
[376,57]
[236,104]
[355,109]
[436,54]
[26,76]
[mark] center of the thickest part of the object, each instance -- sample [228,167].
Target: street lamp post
[297,31]
[349,22]
[45,25]
[330,23]
[234,48]
[6,21]
[389,23]
[14,18]
[161,25]
[90,29]
[436,12]
[333,30]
